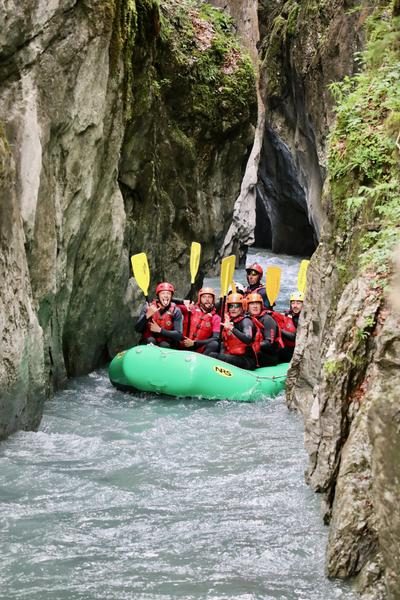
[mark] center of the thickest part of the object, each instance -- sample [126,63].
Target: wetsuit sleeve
[198,343]
[270,333]
[216,322]
[244,331]
[288,335]
[263,295]
[140,324]
[176,334]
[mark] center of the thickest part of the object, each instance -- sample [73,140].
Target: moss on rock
[191,116]
[205,68]
[363,161]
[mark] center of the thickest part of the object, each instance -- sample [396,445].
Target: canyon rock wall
[345,370]
[125,127]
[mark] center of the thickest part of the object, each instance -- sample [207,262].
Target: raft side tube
[182,373]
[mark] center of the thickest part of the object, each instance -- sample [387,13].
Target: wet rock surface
[107,164]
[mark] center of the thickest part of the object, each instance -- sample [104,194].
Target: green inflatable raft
[182,373]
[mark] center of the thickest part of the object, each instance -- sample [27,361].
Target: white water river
[126,497]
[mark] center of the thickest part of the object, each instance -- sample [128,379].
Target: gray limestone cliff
[338,185]
[129,126]
[125,127]
[345,372]
[279,206]
[304,47]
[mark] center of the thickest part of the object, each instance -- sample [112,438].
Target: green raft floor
[182,373]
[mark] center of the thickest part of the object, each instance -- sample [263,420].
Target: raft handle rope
[272,377]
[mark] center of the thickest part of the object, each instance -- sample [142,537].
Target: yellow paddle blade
[195,251]
[227,270]
[302,276]
[141,272]
[233,287]
[273,283]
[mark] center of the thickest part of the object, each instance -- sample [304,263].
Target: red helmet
[206,290]
[235,299]
[255,267]
[165,287]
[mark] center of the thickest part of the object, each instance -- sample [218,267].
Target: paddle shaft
[195,251]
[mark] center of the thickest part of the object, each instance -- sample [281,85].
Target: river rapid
[120,496]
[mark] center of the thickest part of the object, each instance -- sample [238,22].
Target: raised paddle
[272,283]
[141,272]
[302,276]
[227,270]
[195,251]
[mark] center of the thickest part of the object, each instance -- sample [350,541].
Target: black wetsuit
[174,336]
[269,354]
[244,330]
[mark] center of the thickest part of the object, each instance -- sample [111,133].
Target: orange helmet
[206,290]
[255,267]
[165,287]
[254,297]
[235,299]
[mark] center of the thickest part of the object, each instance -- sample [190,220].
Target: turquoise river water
[135,497]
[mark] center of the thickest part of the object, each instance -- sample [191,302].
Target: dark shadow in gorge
[282,223]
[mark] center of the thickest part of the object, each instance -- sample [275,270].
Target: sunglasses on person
[252,273]
[235,305]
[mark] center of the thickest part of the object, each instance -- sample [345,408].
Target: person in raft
[254,274]
[201,323]
[234,288]
[268,336]
[238,333]
[289,325]
[161,322]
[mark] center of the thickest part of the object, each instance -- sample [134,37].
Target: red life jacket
[165,320]
[285,322]
[275,336]
[259,336]
[197,325]
[232,344]
[248,291]
[200,324]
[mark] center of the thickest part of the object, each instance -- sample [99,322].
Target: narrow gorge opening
[282,222]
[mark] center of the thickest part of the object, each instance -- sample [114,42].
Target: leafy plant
[363,157]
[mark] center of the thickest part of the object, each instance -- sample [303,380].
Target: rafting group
[240,328]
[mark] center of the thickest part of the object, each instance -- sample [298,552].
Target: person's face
[207,300]
[165,298]
[252,277]
[255,308]
[235,309]
[296,306]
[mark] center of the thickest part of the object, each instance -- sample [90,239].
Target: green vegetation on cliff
[191,116]
[124,28]
[363,162]
[207,68]
[186,55]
